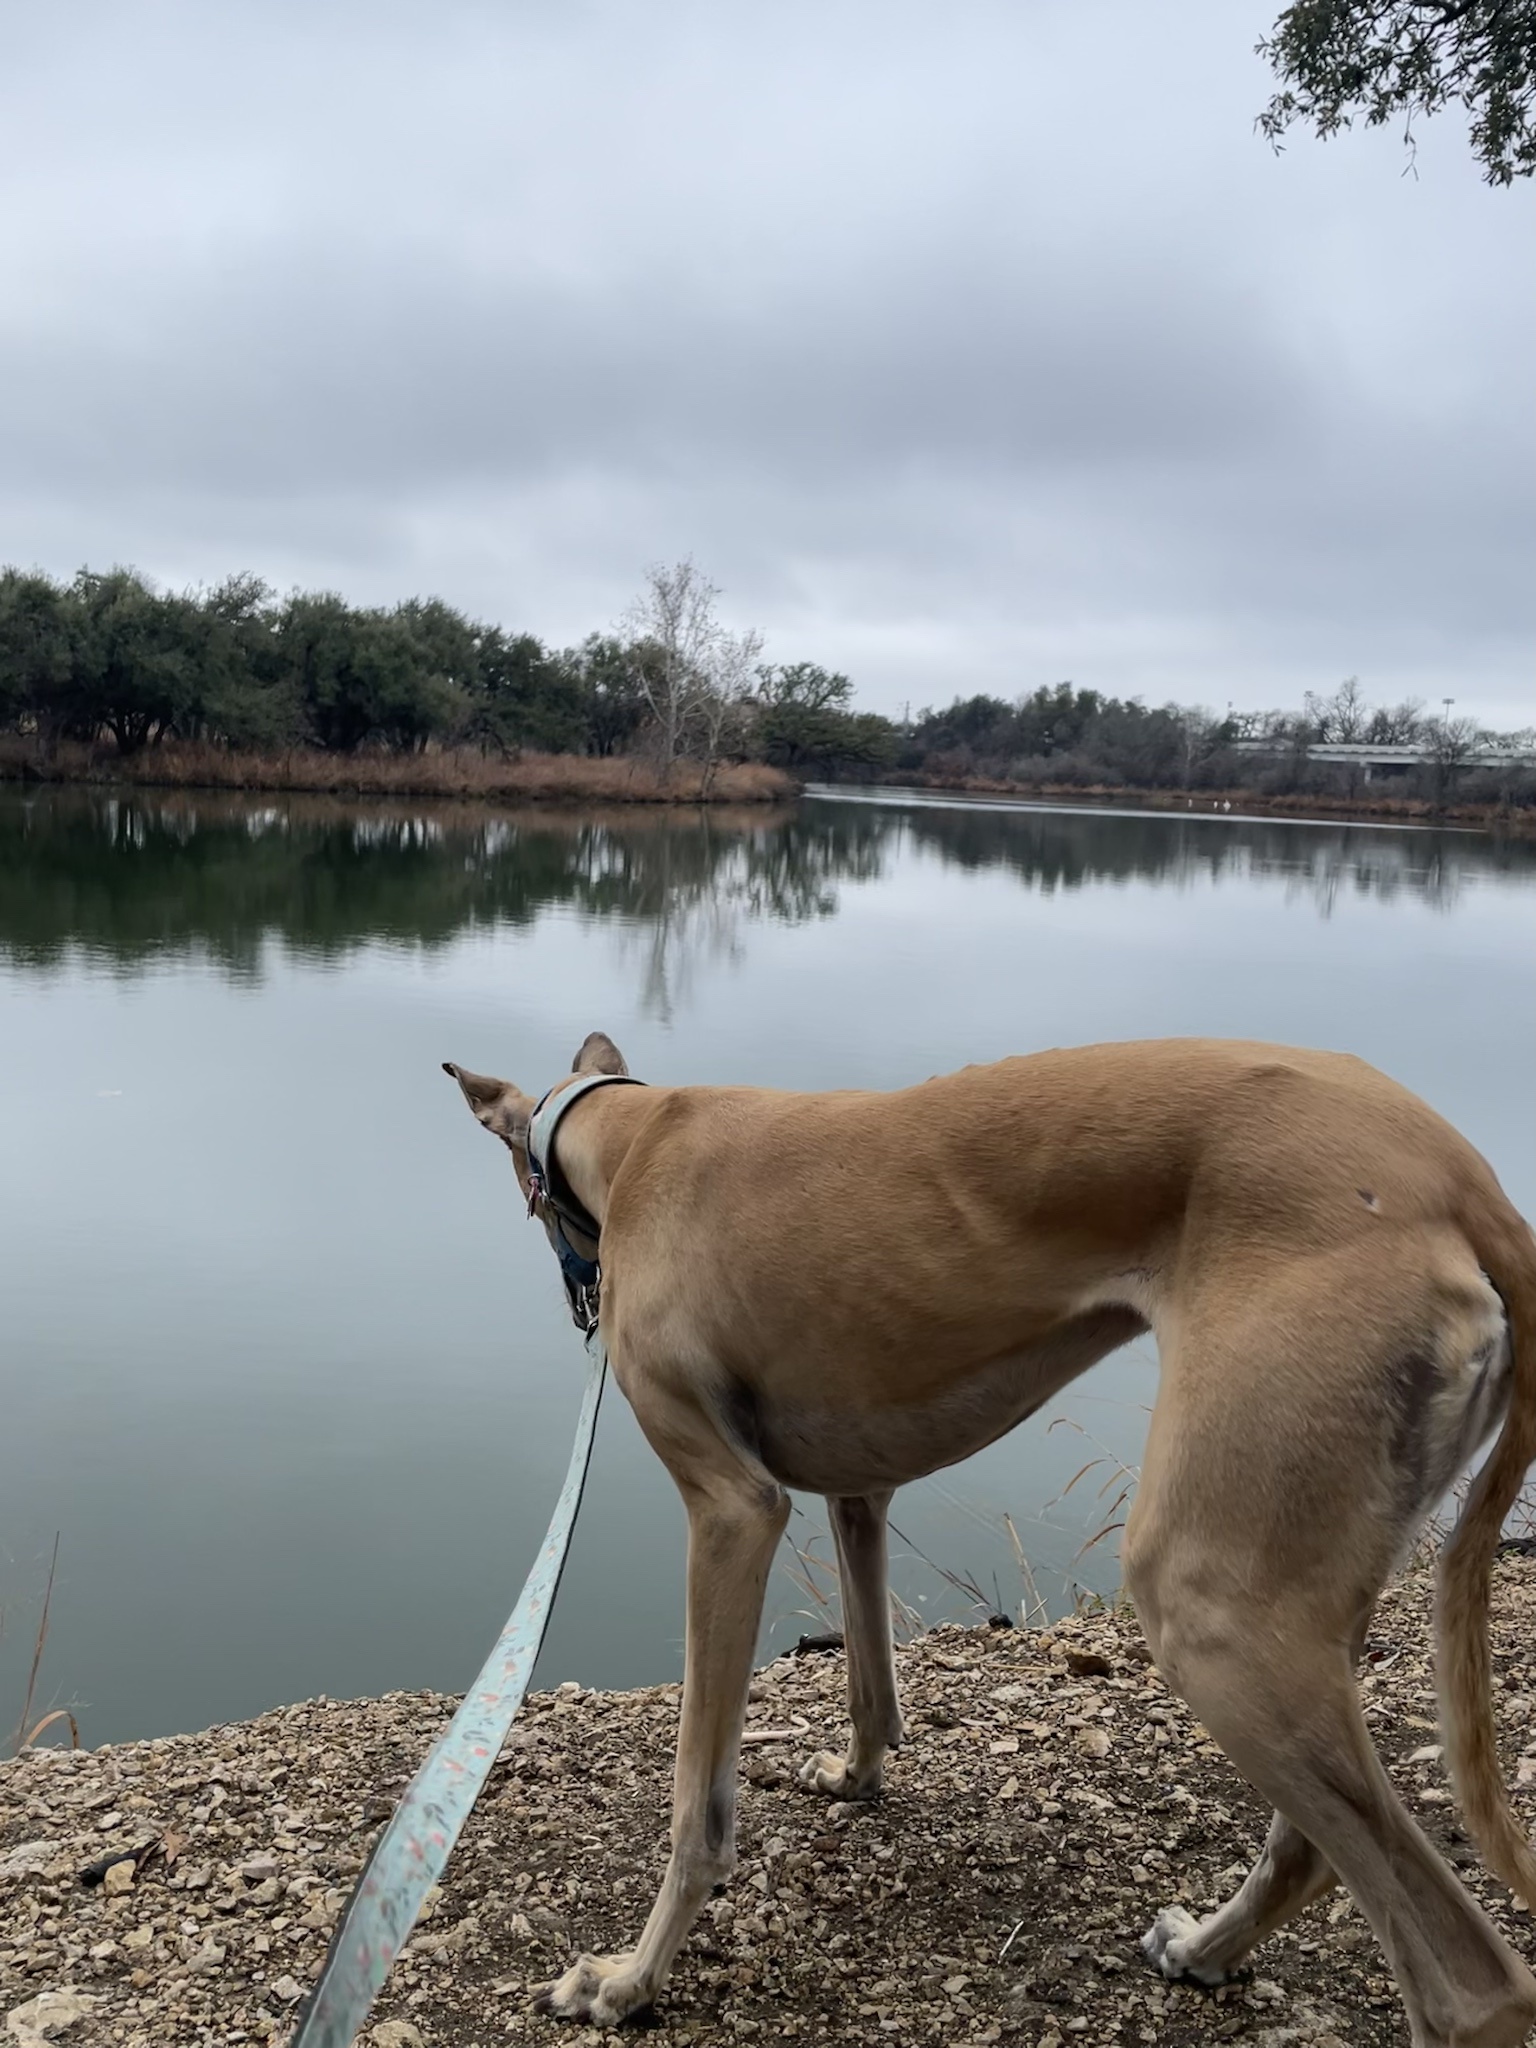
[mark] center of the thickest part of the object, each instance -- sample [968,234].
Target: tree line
[1065,736]
[108,656]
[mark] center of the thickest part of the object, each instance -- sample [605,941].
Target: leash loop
[410,1855]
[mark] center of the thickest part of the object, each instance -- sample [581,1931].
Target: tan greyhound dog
[843,1292]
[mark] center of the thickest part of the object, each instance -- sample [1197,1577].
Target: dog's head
[505,1111]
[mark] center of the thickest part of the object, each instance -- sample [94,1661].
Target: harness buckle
[586,1307]
[582,1276]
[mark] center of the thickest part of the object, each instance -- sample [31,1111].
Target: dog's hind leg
[1287,1877]
[1291,1723]
[858,1529]
[736,1515]
[1262,1532]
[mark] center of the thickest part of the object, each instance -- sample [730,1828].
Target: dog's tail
[1506,1251]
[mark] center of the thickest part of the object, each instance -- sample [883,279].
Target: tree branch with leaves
[1337,61]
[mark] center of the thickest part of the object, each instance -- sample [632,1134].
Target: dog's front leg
[858,1529]
[734,1526]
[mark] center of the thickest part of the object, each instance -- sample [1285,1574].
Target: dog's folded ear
[598,1055]
[501,1107]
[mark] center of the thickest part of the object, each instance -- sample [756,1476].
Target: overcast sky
[967,347]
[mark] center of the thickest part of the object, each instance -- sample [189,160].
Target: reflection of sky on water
[282,1363]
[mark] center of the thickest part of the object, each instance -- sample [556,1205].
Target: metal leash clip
[586,1306]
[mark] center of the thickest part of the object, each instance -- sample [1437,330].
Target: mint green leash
[410,1855]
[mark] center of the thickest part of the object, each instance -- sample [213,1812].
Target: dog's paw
[829,1773]
[1166,1945]
[600,1991]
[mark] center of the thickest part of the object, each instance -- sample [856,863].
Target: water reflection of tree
[1051,850]
[134,879]
[130,880]
[695,901]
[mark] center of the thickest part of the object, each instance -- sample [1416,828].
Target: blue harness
[582,1276]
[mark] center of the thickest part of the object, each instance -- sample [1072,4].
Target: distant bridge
[1391,758]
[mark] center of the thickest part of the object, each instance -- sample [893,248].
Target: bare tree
[693,675]
[1342,717]
[1396,724]
[1449,743]
[723,712]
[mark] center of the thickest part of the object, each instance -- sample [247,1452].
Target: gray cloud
[967,349]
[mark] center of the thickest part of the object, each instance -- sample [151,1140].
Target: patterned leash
[412,1852]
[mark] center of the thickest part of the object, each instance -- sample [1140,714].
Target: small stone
[395,2034]
[952,1985]
[286,1989]
[1088,1664]
[119,1878]
[1094,1742]
[50,2013]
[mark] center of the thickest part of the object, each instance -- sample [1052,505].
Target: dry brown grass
[456,773]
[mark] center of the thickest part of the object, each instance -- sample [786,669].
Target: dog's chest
[838,1446]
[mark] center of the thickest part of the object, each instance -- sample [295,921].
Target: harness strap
[580,1274]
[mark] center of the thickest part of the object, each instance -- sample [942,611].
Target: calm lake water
[283,1364]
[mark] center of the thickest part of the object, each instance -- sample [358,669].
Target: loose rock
[1052,1795]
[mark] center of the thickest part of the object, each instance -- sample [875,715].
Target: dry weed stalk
[27,1734]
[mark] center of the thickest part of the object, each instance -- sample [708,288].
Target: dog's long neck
[594,1137]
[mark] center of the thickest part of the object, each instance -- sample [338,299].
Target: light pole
[1443,767]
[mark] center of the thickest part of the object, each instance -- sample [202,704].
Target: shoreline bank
[1509,820]
[462,775]
[1050,1798]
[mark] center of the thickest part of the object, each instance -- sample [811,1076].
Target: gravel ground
[1050,1797]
